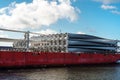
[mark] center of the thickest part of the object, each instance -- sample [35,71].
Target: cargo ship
[57,49]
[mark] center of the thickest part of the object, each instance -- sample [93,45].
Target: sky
[93,17]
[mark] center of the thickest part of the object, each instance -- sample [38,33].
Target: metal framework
[13,40]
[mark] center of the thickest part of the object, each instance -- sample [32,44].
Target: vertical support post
[27,40]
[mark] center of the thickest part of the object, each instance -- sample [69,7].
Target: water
[82,72]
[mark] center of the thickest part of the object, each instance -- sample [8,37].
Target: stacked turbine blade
[67,42]
[88,43]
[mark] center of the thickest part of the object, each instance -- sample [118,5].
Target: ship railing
[14,49]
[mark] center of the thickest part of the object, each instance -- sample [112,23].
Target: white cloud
[108,7]
[2,34]
[107,1]
[116,12]
[5,44]
[80,32]
[36,14]
[47,31]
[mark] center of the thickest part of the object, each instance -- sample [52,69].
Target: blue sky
[95,17]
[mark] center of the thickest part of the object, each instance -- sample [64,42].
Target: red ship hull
[17,59]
